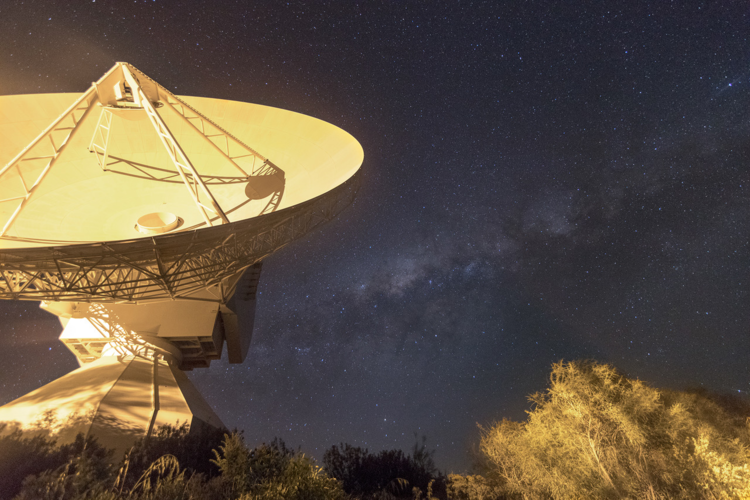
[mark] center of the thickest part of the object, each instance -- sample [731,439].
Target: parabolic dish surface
[79,202]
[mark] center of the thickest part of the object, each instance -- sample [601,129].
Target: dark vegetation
[210,464]
[594,433]
[367,475]
[192,451]
[22,457]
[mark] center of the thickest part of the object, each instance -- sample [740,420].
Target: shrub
[368,475]
[25,457]
[598,434]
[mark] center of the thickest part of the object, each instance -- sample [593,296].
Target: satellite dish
[140,219]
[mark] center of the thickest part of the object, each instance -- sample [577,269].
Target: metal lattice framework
[163,267]
[100,139]
[232,148]
[119,339]
[204,200]
[227,145]
[132,168]
[58,134]
[136,92]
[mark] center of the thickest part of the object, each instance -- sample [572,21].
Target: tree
[598,434]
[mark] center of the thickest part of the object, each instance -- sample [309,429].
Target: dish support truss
[170,266]
[64,128]
[121,89]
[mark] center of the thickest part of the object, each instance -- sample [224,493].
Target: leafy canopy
[598,434]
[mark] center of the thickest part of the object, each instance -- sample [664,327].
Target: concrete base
[117,400]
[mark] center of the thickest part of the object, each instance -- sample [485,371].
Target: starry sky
[542,181]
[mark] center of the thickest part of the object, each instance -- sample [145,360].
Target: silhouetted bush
[192,449]
[86,473]
[272,471]
[83,470]
[23,457]
[367,475]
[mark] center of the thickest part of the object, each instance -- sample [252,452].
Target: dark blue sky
[542,181]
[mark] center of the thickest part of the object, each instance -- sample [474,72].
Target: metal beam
[103,130]
[130,271]
[191,115]
[83,103]
[187,171]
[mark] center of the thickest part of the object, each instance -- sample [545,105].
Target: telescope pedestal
[132,355]
[116,399]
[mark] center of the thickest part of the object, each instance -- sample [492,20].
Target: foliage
[594,433]
[597,434]
[472,487]
[22,456]
[190,446]
[233,460]
[84,473]
[164,480]
[368,475]
[299,479]
[272,471]
[268,471]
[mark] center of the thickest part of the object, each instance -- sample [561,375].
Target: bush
[191,447]
[368,475]
[474,487]
[598,434]
[268,471]
[86,472]
[22,457]
[272,472]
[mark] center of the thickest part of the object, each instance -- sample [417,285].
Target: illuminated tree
[598,434]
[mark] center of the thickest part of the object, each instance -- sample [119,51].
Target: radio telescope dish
[140,219]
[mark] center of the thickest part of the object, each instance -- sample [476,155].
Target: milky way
[540,183]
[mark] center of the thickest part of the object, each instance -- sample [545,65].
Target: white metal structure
[141,223]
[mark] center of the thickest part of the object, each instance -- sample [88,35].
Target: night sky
[542,181]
